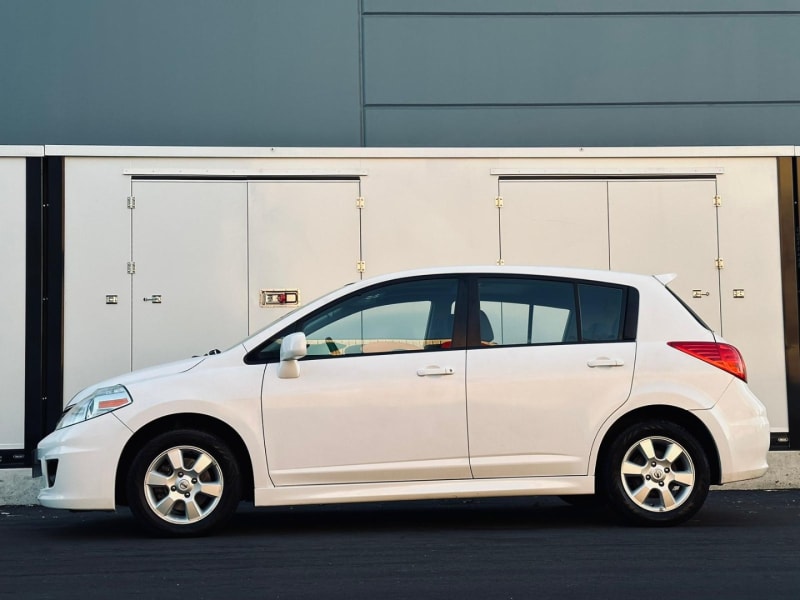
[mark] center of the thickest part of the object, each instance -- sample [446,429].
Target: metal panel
[12,302]
[303,235]
[185,72]
[669,227]
[97,233]
[428,214]
[559,223]
[580,126]
[579,60]
[750,242]
[190,286]
[549,7]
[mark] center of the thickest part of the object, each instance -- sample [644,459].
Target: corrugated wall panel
[559,126]
[184,72]
[580,73]
[580,60]
[400,72]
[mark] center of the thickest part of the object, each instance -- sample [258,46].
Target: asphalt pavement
[742,544]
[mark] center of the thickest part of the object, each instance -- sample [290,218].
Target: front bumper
[79,464]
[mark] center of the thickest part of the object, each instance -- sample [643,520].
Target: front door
[380,396]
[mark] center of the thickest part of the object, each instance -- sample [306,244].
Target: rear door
[554,360]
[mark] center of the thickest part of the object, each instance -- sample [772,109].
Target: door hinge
[498,202]
[131,268]
[717,200]
[361,266]
[719,263]
[131,202]
[360,202]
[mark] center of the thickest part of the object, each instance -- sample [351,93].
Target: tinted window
[601,312]
[526,311]
[410,316]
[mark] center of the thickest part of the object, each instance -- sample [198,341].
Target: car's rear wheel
[656,473]
[183,483]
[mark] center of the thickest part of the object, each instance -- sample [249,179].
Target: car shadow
[468,515]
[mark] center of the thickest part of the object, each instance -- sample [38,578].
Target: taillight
[722,356]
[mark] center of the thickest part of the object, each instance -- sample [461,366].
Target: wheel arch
[675,415]
[194,421]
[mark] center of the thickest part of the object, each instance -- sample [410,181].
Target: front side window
[411,316]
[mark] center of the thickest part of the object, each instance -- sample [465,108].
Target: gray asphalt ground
[743,544]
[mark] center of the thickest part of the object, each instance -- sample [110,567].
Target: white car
[454,383]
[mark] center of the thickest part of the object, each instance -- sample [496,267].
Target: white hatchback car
[453,383]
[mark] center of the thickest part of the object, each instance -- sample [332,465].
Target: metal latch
[155,299]
[699,293]
[278,298]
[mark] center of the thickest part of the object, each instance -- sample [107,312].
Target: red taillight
[723,356]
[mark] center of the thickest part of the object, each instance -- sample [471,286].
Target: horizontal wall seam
[395,105]
[533,13]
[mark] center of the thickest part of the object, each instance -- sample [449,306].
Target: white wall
[12,303]
[423,208]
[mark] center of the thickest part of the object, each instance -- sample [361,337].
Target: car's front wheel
[656,473]
[183,483]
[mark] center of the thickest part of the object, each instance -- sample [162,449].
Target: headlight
[101,401]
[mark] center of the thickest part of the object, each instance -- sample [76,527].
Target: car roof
[548,271]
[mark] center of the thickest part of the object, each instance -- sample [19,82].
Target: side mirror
[293,347]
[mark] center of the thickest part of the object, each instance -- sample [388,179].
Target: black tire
[665,489]
[183,483]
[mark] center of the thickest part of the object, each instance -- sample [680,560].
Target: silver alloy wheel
[657,474]
[183,485]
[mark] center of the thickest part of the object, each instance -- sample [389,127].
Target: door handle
[155,299]
[428,371]
[605,362]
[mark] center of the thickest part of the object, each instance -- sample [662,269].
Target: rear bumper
[79,464]
[740,428]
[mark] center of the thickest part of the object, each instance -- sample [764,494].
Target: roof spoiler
[666,278]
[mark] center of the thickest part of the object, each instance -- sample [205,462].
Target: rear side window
[530,311]
[527,311]
[602,310]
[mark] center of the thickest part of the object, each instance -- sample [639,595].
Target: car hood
[179,366]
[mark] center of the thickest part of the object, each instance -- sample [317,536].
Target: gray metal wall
[400,72]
